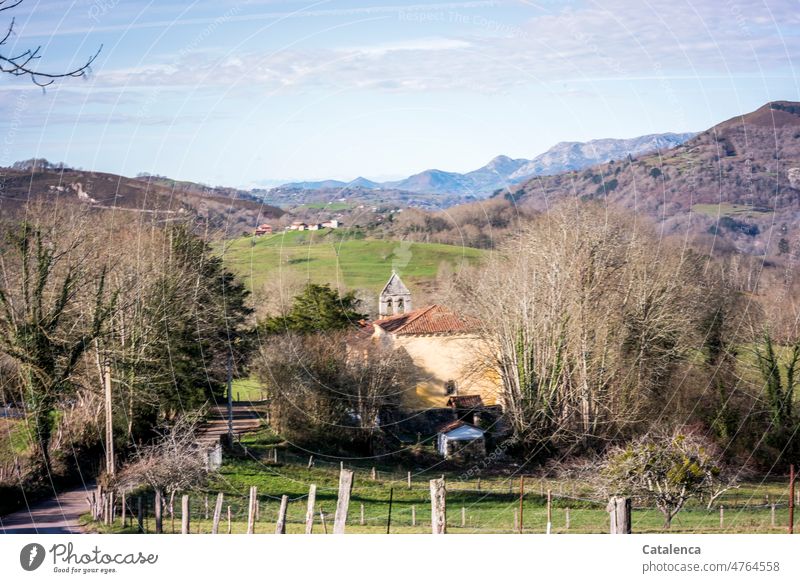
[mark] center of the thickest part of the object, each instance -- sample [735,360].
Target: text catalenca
[669,550]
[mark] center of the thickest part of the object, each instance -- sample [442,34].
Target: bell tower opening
[394,298]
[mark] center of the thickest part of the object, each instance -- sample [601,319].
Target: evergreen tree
[317,309]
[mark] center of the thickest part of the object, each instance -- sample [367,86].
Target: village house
[263,230]
[331,224]
[447,353]
[297,226]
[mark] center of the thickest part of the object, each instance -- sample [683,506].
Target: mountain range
[735,185]
[503,172]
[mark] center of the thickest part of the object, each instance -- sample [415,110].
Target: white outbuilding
[459,440]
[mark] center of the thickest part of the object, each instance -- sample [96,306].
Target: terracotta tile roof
[433,319]
[465,401]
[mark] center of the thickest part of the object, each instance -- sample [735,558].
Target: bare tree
[585,315]
[23,63]
[667,469]
[170,464]
[326,392]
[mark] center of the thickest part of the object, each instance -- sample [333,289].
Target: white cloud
[612,39]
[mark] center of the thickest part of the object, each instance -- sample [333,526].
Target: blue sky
[245,92]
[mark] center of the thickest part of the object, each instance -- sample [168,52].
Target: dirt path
[57,515]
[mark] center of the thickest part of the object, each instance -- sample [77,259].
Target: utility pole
[230,400]
[109,419]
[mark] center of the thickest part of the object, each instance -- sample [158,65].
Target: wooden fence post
[619,510]
[229,518]
[158,510]
[361,522]
[463,517]
[521,497]
[310,462]
[389,518]
[139,515]
[772,515]
[217,514]
[251,511]
[409,480]
[322,519]
[185,510]
[373,474]
[97,498]
[566,519]
[206,506]
[791,499]
[413,515]
[312,500]
[123,510]
[438,506]
[280,525]
[549,512]
[172,510]
[343,501]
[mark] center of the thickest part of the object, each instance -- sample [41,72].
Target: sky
[257,92]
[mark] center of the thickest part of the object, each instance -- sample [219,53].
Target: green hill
[341,257]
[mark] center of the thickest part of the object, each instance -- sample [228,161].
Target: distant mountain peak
[504,171]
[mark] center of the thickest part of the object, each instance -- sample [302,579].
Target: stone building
[447,353]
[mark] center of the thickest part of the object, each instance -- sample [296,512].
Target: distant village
[267,229]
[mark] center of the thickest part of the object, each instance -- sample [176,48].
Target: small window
[450,387]
[400,306]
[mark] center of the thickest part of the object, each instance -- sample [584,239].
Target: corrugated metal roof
[433,319]
[459,430]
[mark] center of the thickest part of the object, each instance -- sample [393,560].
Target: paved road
[57,515]
[60,515]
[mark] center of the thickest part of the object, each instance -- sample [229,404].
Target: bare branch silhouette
[24,63]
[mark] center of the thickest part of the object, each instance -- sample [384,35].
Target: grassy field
[340,256]
[730,210]
[489,507]
[248,389]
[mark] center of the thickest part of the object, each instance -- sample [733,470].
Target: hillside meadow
[343,257]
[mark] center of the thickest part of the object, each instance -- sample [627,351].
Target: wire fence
[470,508]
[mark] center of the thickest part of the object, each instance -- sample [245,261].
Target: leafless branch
[23,64]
